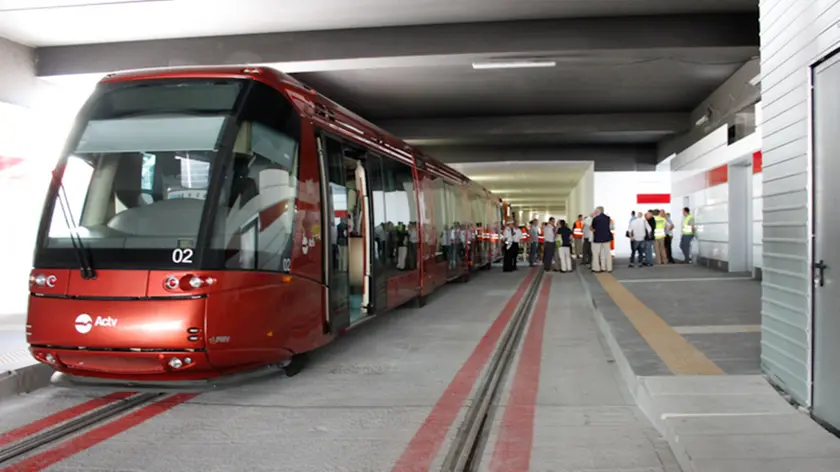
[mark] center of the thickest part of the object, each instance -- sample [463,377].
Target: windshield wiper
[85,262]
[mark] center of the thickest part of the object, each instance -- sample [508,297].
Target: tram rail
[40,439]
[467,449]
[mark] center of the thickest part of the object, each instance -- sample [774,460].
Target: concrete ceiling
[540,187]
[628,72]
[61,22]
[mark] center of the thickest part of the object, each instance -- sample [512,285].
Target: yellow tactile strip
[675,351]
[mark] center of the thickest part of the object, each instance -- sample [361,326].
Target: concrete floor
[585,418]
[13,348]
[718,313]
[354,408]
[389,396]
[686,340]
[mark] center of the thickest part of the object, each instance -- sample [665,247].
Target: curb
[634,382]
[24,380]
[637,385]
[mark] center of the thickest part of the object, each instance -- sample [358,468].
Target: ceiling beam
[319,50]
[637,157]
[430,130]
[737,93]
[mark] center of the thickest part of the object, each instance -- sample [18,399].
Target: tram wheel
[296,365]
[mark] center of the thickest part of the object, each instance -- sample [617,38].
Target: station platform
[687,340]
[583,392]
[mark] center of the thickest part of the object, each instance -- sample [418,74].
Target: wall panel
[793,34]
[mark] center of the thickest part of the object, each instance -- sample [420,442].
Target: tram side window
[376,184]
[401,223]
[455,225]
[441,222]
[453,206]
[475,211]
[258,223]
[490,217]
[426,218]
[464,198]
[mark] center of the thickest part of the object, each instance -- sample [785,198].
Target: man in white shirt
[549,237]
[533,241]
[637,231]
[508,236]
[517,238]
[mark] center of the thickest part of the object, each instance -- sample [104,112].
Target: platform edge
[636,384]
[24,380]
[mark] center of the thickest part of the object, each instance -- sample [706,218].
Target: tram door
[378,282]
[335,232]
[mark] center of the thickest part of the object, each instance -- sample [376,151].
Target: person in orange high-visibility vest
[577,234]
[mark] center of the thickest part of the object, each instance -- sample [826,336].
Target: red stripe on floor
[97,435]
[423,448]
[60,417]
[513,446]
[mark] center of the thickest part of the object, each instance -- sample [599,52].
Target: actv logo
[84,323]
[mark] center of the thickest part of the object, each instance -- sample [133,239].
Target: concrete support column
[587,196]
[18,85]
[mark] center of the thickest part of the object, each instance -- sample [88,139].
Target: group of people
[651,235]
[590,239]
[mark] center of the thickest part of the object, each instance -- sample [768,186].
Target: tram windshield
[136,182]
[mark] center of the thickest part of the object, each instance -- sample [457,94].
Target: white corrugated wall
[794,33]
[758,202]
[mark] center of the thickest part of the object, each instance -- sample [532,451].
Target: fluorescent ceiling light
[755,80]
[512,64]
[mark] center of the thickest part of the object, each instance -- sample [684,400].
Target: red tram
[206,222]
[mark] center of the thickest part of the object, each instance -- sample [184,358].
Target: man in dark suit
[602,237]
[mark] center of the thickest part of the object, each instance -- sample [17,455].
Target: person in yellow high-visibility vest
[688,232]
[659,237]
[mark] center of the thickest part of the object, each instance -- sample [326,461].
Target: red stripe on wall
[8,162]
[710,178]
[653,198]
[757,162]
[717,176]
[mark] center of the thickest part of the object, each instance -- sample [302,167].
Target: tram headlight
[40,280]
[171,283]
[49,358]
[176,363]
[196,282]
